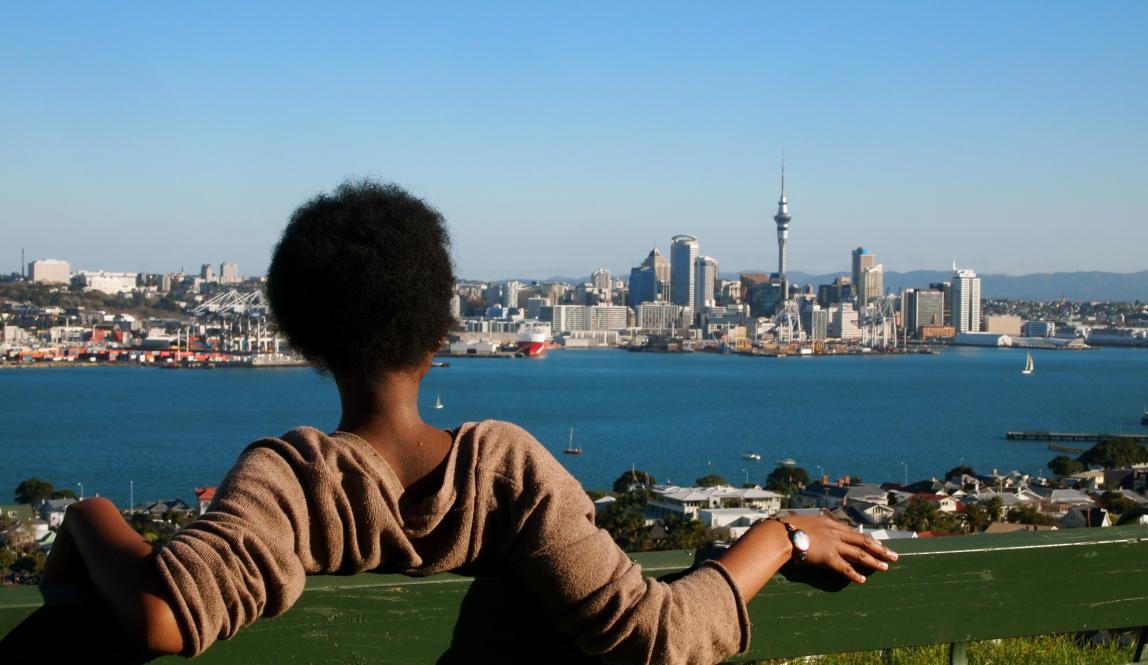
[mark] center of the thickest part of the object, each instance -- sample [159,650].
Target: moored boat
[570,449]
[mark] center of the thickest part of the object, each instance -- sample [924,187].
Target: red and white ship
[533,339]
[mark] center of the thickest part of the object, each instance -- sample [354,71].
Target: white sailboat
[438,401]
[1029,367]
[570,449]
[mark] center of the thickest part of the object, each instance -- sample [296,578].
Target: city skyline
[131,147]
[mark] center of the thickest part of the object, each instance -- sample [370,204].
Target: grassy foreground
[1043,650]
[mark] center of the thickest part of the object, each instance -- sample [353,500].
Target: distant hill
[1077,286]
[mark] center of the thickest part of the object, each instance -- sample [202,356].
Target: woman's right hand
[835,546]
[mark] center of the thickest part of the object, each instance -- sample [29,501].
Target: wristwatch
[798,538]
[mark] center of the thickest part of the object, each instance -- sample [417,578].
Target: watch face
[800,540]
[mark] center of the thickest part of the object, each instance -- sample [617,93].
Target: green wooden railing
[942,591]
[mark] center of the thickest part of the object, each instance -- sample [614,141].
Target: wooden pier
[1072,436]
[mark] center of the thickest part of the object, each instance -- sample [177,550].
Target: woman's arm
[95,545]
[766,547]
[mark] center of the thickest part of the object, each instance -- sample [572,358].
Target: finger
[857,555]
[872,545]
[842,567]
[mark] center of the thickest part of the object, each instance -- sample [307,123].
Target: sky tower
[782,219]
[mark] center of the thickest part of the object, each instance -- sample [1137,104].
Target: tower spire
[782,220]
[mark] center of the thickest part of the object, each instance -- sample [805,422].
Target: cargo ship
[532,340]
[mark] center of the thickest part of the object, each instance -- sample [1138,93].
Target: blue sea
[677,416]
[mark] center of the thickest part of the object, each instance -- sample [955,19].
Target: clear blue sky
[557,138]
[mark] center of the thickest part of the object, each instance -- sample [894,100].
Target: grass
[1043,650]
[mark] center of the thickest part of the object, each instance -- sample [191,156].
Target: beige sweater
[311,503]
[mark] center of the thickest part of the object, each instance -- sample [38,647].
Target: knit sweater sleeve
[240,559]
[599,596]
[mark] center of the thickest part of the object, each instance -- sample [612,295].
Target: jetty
[1072,436]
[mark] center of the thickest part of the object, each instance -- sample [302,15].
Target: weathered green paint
[942,591]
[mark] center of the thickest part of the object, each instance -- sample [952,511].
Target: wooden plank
[950,590]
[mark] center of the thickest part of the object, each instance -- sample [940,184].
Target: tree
[1026,514]
[1063,465]
[712,480]
[957,471]
[631,479]
[1116,503]
[626,527]
[33,490]
[786,479]
[683,533]
[63,494]
[922,515]
[1114,453]
[7,558]
[979,515]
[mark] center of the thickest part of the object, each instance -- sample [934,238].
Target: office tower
[922,307]
[659,317]
[228,273]
[643,286]
[862,259]
[600,278]
[966,307]
[661,267]
[782,219]
[946,289]
[50,270]
[872,284]
[683,254]
[207,272]
[843,322]
[705,272]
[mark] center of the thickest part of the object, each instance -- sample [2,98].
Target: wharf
[1071,436]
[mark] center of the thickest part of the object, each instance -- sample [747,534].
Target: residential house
[52,510]
[666,500]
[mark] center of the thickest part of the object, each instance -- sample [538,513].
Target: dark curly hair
[361,281]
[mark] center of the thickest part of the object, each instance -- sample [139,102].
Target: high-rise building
[946,289]
[765,298]
[659,317]
[600,278]
[229,273]
[843,322]
[643,286]
[683,255]
[966,306]
[782,220]
[706,275]
[862,259]
[207,272]
[922,308]
[52,271]
[872,285]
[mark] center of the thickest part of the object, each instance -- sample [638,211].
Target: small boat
[1029,367]
[1144,418]
[440,363]
[438,402]
[788,461]
[570,449]
[752,456]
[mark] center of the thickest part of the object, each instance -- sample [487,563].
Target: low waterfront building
[982,339]
[1038,329]
[1003,324]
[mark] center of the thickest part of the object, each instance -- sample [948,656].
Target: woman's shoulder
[509,450]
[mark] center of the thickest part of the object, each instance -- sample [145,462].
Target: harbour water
[677,416]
